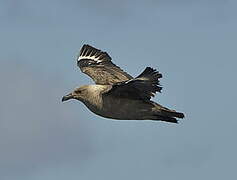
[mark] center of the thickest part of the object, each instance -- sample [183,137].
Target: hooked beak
[67,97]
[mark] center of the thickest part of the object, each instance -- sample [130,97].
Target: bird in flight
[116,94]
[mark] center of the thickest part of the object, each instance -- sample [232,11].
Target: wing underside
[98,65]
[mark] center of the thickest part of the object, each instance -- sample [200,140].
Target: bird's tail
[165,114]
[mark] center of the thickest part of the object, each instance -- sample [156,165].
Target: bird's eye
[78,91]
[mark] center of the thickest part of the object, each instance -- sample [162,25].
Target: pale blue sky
[192,43]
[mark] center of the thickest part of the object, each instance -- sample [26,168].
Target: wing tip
[151,73]
[89,52]
[152,76]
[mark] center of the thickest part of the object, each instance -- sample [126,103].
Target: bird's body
[116,94]
[116,108]
[124,109]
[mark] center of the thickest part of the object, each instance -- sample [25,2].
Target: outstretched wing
[98,65]
[142,87]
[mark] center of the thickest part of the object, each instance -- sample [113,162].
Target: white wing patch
[90,53]
[97,59]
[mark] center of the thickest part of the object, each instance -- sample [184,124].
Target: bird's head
[78,93]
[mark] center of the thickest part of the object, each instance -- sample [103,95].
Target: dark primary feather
[150,77]
[98,65]
[89,51]
[143,87]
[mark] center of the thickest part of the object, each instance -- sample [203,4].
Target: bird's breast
[119,108]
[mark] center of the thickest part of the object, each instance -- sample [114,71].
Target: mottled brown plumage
[98,65]
[116,94]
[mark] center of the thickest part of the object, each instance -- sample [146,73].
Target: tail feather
[171,113]
[165,114]
[165,118]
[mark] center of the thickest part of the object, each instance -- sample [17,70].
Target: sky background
[191,42]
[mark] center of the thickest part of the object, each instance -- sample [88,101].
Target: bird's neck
[93,96]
